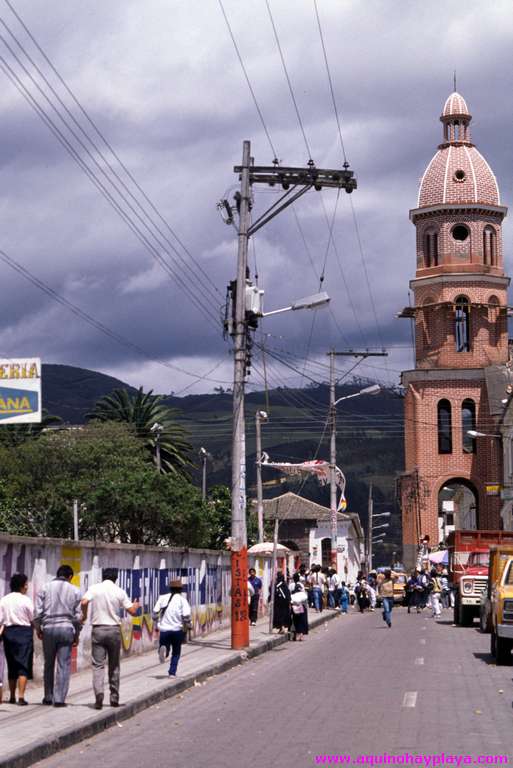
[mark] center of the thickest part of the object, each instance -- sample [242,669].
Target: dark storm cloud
[164,85]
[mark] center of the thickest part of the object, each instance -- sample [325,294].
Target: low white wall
[144,572]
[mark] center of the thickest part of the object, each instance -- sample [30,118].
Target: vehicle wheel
[456,610]
[484,623]
[503,646]
[493,644]
[466,616]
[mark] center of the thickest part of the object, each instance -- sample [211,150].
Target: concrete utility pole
[203,454]
[259,417]
[239,551]
[333,437]
[295,182]
[370,508]
[157,430]
[75,519]
[333,463]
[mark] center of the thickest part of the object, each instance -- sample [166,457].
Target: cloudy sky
[162,82]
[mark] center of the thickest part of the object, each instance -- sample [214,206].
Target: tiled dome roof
[455,105]
[458,173]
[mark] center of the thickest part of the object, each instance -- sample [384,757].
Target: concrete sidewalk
[28,734]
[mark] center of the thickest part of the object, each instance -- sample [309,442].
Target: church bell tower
[460,316]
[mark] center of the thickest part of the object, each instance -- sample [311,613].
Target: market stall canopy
[442,556]
[266,548]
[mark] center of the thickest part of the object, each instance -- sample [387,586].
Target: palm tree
[167,442]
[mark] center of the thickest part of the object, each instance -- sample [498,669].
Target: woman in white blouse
[16,616]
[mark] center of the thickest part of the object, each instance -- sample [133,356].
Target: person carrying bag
[174,616]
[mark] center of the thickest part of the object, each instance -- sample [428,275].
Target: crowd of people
[57,617]
[317,589]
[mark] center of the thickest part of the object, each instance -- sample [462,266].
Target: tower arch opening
[489,246]
[457,506]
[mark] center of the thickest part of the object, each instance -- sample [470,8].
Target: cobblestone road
[353,687]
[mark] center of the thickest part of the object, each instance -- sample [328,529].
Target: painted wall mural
[144,573]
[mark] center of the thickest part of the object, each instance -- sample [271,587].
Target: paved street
[352,687]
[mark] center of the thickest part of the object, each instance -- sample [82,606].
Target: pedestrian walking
[333,586]
[281,613]
[317,582]
[16,617]
[299,601]
[256,584]
[435,594]
[362,593]
[107,601]
[372,586]
[411,591]
[446,590]
[57,621]
[174,616]
[344,597]
[385,583]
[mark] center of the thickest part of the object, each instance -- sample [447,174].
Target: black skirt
[300,621]
[19,651]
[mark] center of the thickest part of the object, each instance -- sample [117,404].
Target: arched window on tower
[490,246]
[468,422]
[444,427]
[462,324]
[494,321]
[430,248]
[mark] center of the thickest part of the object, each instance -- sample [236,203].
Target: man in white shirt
[317,582]
[107,603]
[173,612]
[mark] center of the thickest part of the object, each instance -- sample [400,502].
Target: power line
[291,90]
[43,114]
[208,284]
[332,91]
[25,273]
[241,62]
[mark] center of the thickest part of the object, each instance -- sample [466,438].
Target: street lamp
[374,389]
[474,433]
[316,301]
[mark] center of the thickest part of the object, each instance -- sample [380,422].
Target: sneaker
[22,703]
[47,702]
[98,704]
[114,703]
[60,704]
[253,623]
[162,654]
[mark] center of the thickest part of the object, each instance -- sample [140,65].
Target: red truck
[469,553]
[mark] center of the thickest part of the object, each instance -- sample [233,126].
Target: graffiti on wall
[144,574]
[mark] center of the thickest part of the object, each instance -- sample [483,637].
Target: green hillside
[369,435]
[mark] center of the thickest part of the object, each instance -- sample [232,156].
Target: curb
[44,748]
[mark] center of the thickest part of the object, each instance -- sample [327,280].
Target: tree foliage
[107,468]
[142,411]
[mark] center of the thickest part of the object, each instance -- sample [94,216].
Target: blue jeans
[333,598]
[317,598]
[388,604]
[174,640]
